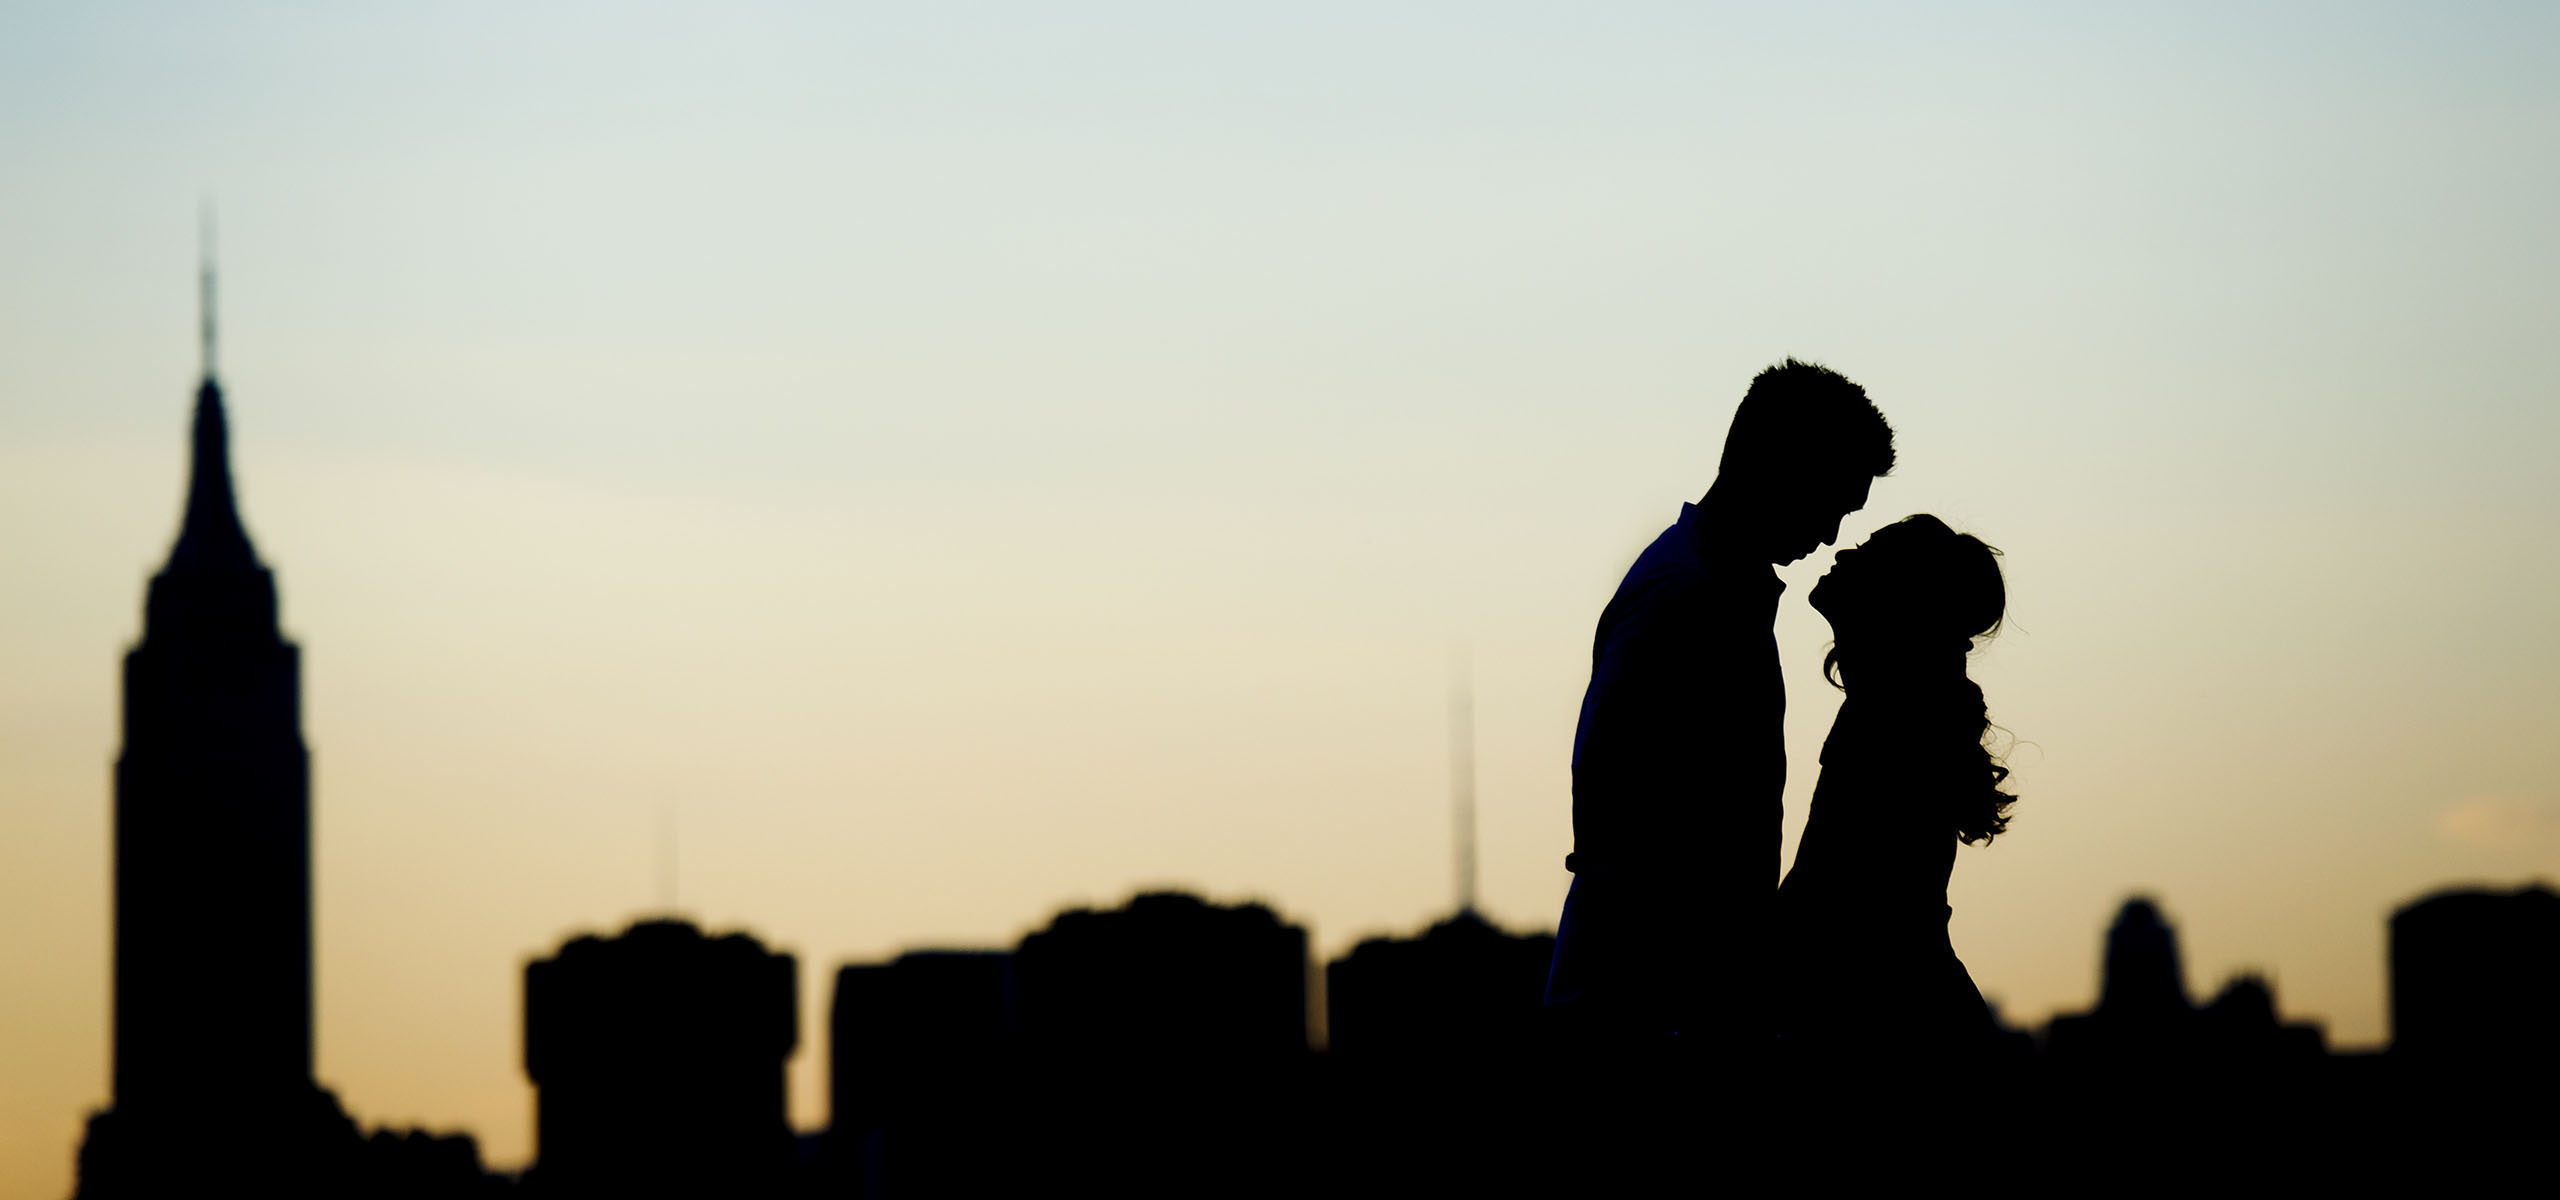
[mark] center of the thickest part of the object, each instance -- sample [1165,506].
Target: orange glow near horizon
[970,471]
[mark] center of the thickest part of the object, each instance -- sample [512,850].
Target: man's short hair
[1800,414]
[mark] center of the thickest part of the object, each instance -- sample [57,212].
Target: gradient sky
[972,459]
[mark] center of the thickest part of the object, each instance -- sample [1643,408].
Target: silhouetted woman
[1872,984]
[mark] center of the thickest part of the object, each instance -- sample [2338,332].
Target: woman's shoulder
[1898,732]
[1870,717]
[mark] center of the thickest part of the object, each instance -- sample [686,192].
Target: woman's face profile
[1910,578]
[1857,574]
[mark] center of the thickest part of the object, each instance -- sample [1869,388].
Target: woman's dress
[1869,978]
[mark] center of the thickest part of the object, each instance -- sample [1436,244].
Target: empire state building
[212,855]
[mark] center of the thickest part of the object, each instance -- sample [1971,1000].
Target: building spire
[1462,774]
[210,535]
[204,282]
[667,860]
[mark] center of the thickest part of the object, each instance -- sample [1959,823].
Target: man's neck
[1722,527]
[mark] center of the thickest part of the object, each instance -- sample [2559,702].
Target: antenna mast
[204,282]
[667,856]
[1462,772]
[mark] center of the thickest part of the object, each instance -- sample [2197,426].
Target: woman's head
[1905,606]
[1914,584]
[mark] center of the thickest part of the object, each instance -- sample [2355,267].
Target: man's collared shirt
[1680,754]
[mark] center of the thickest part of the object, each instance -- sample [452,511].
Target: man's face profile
[1808,516]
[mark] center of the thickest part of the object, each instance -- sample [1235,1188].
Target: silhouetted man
[1680,754]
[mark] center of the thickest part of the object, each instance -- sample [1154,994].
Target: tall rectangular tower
[212,827]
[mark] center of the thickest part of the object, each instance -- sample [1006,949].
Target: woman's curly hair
[1981,813]
[1954,581]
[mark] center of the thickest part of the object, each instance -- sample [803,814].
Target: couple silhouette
[1680,957]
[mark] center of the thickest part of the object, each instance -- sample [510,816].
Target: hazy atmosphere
[948,464]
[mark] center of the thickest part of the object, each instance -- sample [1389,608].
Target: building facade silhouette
[1166,1049]
[2243,1035]
[2144,1023]
[925,1071]
[2150,1080]
[927,1028]
[1439,1073]
[2475,981]
[658,1062]
[1464,989]
[1162,1047]
[212,1072]
[1168,980]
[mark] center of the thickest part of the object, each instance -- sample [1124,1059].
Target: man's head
[1803,448]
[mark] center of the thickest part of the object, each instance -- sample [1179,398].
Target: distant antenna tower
[667,857]
[1462,772]
[204,282]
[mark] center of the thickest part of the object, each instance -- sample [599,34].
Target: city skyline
[973,469]
[211,632]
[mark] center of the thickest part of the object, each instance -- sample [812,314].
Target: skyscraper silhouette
[2145,978]
[212,1053]
[1169,981]
[926,1071]
[1169,1047]
[213,816]
[658,1060]
[2143,1025]
[2475,981]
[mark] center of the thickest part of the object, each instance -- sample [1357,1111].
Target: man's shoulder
[1660,597]
[1667,560]
[1655,578]
[1672,569]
